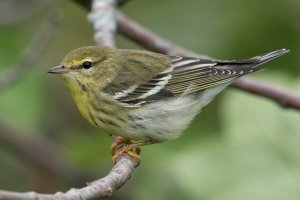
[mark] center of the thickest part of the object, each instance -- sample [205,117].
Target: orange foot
[124,145]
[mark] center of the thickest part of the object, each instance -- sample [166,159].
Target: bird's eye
[87,64]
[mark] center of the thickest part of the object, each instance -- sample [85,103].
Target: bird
[145,97]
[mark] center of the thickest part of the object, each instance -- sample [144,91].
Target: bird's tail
[261,59]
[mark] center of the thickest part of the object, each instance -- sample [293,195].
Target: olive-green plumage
[135,67]
[147,96]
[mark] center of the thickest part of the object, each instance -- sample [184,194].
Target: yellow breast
[96,108]
[80,96]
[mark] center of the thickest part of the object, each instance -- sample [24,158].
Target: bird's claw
[125,146]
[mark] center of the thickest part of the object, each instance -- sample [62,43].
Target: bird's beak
[60,69]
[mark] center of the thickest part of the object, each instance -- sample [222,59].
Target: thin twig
[37,47]
[148,39]
[101,188]
[284,97]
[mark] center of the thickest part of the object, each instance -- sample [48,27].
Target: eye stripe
[79,64]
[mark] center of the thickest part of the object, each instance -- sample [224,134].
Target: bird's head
[87,67]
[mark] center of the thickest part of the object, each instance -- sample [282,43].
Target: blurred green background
[240,147]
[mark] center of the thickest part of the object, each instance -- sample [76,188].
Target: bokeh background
[240,147]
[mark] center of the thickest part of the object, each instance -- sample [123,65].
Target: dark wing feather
[149,91]
[200,74]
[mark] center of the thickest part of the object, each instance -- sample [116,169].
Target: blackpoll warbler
[143,96]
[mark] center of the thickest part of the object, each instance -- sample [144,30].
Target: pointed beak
[60,69]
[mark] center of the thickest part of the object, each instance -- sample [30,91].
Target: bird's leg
[123,145]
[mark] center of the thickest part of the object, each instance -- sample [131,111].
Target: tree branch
[281,95]
[141,35]
[101,188]
[103,19]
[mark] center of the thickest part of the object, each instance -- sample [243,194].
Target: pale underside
[166,120]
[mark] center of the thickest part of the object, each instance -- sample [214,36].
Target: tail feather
[261,59]
[255,61]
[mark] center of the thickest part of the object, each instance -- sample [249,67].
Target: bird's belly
[166,120]
[162,121]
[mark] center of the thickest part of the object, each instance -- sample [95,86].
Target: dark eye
[87,64]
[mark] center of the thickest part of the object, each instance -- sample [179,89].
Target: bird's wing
[187,75]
